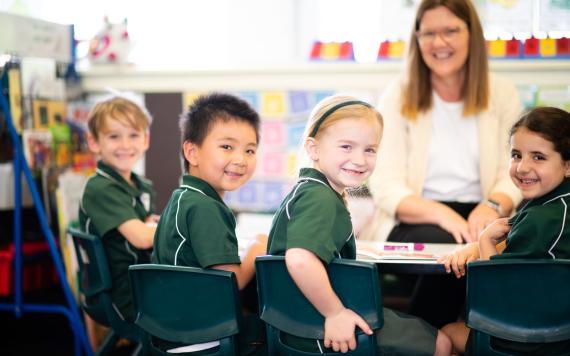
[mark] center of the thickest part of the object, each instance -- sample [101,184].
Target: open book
[394,251]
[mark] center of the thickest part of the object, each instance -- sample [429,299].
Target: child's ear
[190,150]
[567,166]
[93,144]
[312,148]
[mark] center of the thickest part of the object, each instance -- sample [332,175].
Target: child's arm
[246,270]
[457,261]
[138,233]
[493,234]
[311,277]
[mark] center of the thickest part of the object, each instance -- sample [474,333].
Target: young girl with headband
[313,226]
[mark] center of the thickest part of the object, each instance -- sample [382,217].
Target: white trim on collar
[192,188]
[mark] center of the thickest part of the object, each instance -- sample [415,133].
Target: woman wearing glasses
[442,173]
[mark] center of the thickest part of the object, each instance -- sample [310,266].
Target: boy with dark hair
[220,134]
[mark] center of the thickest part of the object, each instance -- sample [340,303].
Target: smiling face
[345,151]
[535,167]
[120,146]
[226,159]
[444,43]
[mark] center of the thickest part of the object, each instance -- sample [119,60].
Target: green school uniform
[540,230]
[197,229]
[313,217]
[107,202]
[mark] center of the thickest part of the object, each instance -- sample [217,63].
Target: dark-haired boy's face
[226,159]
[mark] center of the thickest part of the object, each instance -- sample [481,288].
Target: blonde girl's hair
[330,110]
[416,91]
[118,108]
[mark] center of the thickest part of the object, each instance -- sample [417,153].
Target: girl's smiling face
[535,167]
[345,152]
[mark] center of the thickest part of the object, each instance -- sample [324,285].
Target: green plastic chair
[186,306]
[95,284]
[526,301]
[285,309]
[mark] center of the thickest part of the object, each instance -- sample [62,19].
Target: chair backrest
[95,284]
[187,305]
[519,300]
[285,309]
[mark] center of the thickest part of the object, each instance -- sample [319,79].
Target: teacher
[442,175]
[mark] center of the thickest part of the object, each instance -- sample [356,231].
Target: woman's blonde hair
[417,90]
[118,108]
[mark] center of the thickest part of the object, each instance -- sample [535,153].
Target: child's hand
[496,231]
[458,260]
[152,219]
[340,328]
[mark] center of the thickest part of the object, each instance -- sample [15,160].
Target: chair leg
[108,344]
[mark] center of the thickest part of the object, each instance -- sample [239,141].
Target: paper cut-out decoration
[272,194]
[295,134]
[292,168]
[332,51]
[273,164]
[189,98]
[497,48]
[273,104]
[547,47]
[247,194]
[251,97]
[531,47]
[272,134]
[514,48]
[563,47]
[299,102]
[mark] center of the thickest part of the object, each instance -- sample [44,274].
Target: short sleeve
[311,223]
[108,208]
[212,235]
[532,237]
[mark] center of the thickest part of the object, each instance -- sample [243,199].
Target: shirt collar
[109,172]
[313,174]
[562,189]
[201,185]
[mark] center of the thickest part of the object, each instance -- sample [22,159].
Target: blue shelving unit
[70,310]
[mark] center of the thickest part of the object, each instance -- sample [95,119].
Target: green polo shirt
[196,229]
[541,229]
[107,202]
[313,217]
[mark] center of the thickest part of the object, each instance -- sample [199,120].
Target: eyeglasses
[448,34]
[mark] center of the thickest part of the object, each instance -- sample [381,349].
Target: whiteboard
[29,37]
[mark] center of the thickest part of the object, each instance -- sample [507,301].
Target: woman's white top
[453,155]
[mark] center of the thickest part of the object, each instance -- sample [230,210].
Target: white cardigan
[403,155]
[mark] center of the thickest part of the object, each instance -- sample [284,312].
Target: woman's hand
[340,328]
[458,260]
[479,218]
[452,222]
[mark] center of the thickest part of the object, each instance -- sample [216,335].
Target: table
[406,263]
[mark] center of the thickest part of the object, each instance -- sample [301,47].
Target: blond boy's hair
[118,108]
